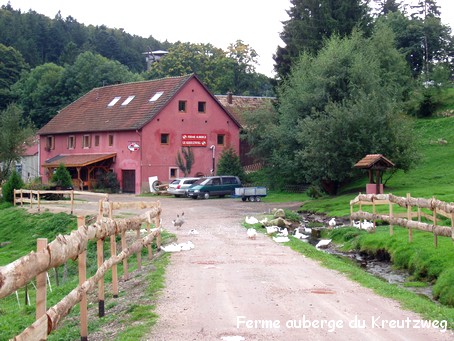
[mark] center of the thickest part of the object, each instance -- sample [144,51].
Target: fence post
[374,212]
[434,229]
[150,249]
[113,252]
[21,198]
[100,256]
[410,230]
[14,200]
[158,226]
[125,261]
[41,285]
[72,201]
[452,226]
[39,202]
[82,263]
[391,216]
[139,253]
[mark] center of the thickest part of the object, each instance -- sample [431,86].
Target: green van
[214,186]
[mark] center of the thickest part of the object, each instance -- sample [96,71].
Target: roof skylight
[115,100]
[156,96]
[128,100]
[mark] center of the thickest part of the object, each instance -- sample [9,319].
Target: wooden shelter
[377,163]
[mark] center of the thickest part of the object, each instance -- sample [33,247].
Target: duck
[271,229]
[179,221]
[251,220]
[297,234]
[283,232]
[186,246]
[323,244]
[251,233]
[332,223]
[281,239]
[174,247]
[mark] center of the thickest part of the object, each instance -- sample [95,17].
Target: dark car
[214,186]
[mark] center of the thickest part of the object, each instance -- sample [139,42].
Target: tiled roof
[77,160]
[92,112]
[240,106]
[372,160]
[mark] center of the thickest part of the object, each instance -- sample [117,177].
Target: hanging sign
[133,147]
[194,140]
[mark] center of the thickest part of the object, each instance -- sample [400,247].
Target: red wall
[154,158]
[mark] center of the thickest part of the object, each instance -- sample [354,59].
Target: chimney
[229,97]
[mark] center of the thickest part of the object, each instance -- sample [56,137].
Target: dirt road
[229,285]
[232,288]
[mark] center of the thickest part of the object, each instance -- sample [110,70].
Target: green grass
[20,230]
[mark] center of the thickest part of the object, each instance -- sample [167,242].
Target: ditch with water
[379,265]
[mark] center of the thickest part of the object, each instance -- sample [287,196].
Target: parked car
[214,186]
[178,186]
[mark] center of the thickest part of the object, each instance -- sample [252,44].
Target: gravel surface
[233,288]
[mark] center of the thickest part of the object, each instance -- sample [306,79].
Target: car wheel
[177,196]
[243,198]
[206,195]
[194,197]
[252,198]
[258,199]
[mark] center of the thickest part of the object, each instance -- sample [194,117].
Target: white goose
[251,220]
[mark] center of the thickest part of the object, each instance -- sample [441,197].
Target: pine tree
[313,21]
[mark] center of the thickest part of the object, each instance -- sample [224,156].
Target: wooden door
[129,181]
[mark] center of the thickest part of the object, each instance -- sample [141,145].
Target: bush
[108,182]
[62,177]
[229,164]
[14,182]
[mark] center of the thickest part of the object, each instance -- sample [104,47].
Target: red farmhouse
[136,130]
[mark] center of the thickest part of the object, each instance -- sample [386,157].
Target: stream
[379,265]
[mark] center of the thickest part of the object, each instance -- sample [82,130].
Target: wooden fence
[405,219]
[74,246]
[35,197]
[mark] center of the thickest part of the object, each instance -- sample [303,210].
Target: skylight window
[128,100]
[112,103]
[156,96]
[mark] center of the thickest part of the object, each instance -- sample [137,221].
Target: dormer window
[128,100]
[112,102]
[156,96]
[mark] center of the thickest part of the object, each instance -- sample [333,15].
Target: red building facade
[137,130]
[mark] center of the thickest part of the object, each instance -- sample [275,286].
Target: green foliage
[15,136]
[11,67]
[443,290]
[220,71]
[229,164]
[108,182]
[341,105]
[62,177]
[313,22]
[423,261]
[186,164]
[40,94]
[14,182]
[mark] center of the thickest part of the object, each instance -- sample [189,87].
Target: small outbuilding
[377,163]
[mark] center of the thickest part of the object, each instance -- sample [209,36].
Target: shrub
[62,177]
[14,182]
[229,164]
[108,182]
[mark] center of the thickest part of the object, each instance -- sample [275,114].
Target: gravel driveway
[230,287]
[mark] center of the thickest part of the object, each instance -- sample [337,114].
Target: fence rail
[36,264]
[36,197]
[405,219]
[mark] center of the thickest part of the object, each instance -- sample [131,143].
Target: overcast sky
[255,22]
